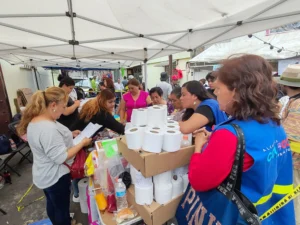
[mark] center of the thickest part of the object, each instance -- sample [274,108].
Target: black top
[102,118]
[68,120]
[207,112]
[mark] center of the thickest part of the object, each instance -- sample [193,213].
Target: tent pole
[170,66]
[145,68]
[35,75]
[33,32]
[72,24]
[107,39]
[52,78]
[31,15]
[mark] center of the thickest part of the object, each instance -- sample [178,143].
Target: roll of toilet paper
[82,186]
[156,128]
[172,127]
[163,194]
[156,116]
[153,141]
[172,122]
[139,117]
[172,140]
[143,195]
[163,179]
[185,182]
[165,107]
[132,173]
[142,181]
[134,137]
[181,171]
[128,126]
[177,186]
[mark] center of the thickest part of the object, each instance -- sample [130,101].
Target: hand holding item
[77,103]
[201,139]
[200,131]
[86,141]
[75,133]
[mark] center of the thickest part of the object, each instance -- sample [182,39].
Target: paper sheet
[88,132]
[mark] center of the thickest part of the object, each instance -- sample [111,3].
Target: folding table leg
[13,170]
[3,212]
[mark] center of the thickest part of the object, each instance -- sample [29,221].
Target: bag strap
[232,185]
[234,179]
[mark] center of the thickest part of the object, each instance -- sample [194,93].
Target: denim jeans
[75,187]
[58,201]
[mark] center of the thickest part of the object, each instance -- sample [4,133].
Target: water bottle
[185,141]
[121,199]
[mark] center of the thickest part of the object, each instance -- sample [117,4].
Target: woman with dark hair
[201,109]
[156,95]
[134,99]
[246,91]
[99,110]
[109,84]
[71,112]
[101,86]
[175,100]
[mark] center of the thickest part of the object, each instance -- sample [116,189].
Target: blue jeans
[75,187]
[58,201]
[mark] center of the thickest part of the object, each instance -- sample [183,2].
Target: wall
[153,74]
[16,78]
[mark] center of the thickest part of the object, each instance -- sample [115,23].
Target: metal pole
[33,32]
[145,69]
[170,66]
[107,39]
[31,15]
[52,78]
[35,75]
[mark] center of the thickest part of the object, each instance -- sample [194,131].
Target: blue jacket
[268,180]
[219,115]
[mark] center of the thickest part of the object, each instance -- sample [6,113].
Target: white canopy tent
[118,33]
[276,46]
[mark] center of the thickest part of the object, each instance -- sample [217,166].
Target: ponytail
[39,102]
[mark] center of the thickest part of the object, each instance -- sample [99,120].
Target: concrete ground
[10,194]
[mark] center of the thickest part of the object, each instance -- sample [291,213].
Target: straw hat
[291,76]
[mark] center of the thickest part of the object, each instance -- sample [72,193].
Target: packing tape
[20,207]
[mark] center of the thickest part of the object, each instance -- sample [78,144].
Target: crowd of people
[241,92]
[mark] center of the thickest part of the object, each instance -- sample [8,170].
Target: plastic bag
[111,203]
[125,214]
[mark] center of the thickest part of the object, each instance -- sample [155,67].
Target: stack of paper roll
[134,137]
[139,117]
[153,140]
[143,189]
[177,186]
[163,187]
[172,140]
[82,186]
[156,116]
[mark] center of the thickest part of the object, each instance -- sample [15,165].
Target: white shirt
[166,88]
[119,87]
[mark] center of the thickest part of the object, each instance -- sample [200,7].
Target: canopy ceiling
[284,45]
[118,33]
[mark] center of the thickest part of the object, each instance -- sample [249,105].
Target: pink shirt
[130,104]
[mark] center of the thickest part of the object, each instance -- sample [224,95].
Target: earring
[54,110]
[194,102]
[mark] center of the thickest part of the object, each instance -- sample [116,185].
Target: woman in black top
[71,112]
[99,110]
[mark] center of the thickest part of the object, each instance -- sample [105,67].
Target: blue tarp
[42,222]
[72,68]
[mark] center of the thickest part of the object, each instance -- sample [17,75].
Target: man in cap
[164,85]
[290,79]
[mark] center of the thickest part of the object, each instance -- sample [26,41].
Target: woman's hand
[77,103]
[200,131]
[201,138]
[75,133]
[86,142]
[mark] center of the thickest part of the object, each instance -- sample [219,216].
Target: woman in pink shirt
[134,99]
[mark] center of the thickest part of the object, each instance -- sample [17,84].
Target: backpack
[4,145]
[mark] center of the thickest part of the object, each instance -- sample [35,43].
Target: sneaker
[76,199]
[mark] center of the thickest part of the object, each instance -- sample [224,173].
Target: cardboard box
[154,214]
[151,164]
